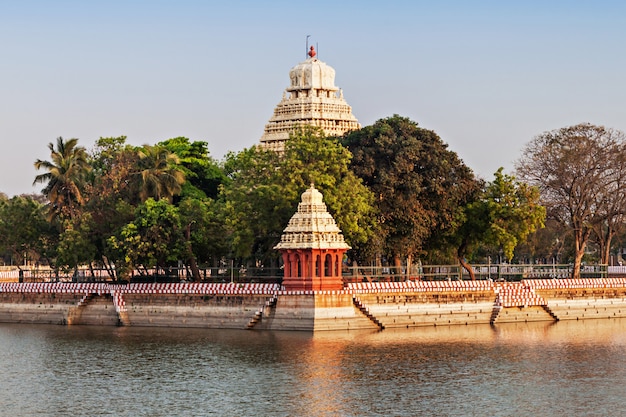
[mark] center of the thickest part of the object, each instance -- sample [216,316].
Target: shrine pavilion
[312,247]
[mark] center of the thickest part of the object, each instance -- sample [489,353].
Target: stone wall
[45,308]
[295,312]
[373,307]
[193,310]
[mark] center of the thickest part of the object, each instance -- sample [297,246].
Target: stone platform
[373,306]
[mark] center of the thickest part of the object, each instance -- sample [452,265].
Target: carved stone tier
[311,99]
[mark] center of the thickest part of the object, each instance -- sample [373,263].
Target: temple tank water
[575,368]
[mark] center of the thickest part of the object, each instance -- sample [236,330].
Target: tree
[202,173]
[105,155]
[158,176]
[579,171]
[252,205]
[75,248]
[503,216]
[26,234]
[153,239]
[612,210]
[64,177]
[204,233]
[419,185]
[111,197]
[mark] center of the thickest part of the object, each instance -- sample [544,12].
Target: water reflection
[566,368]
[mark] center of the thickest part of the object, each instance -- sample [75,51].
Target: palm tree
[159,176]
[65,176]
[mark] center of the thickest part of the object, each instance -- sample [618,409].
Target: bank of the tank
[269,307]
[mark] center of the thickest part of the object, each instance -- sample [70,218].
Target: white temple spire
[310,99]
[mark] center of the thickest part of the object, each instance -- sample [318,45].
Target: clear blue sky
[487,76]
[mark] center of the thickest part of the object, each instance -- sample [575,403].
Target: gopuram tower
[311,99]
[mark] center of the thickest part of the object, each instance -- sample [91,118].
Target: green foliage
[252,203]
[504,215]
[25,230]
[75,248]
[65,177]
[204,230]
[110,216]
[515,212]
[159,175]
[418,183]
[153,238]
[203,173]
[394,189]
[106,153]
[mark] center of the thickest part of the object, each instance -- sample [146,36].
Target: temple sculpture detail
[311,99]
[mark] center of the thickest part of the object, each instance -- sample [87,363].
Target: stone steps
[258,315]
[523,314]
[366,312]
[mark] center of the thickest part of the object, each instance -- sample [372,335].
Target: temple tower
[312,247]
[311,99]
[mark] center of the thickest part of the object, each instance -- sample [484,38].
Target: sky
[486,76]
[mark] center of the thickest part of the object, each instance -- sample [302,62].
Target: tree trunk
[604,234]
[606,256]
[468,268]
[109,268]
[193,264]
[578,258]
[606,250]
[409,267]
[397,263]
[460,254]
[195,271]
[580,243]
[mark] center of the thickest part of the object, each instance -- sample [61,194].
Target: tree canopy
[503,215]
[418,183]
[580,173]
[26,232]
[65,176]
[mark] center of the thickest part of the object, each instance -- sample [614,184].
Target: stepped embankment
[376,306]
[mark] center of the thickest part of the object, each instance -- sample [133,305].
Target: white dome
[312,196]
[312,73]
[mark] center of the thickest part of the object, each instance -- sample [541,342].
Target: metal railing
[502,272]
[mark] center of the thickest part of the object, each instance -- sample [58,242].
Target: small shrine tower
[311,99]
[312,247]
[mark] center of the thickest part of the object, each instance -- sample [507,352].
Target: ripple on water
[563,369]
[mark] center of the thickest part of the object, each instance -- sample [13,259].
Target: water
[562,369]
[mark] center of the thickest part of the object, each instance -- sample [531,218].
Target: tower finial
[312,52]
[306,52]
